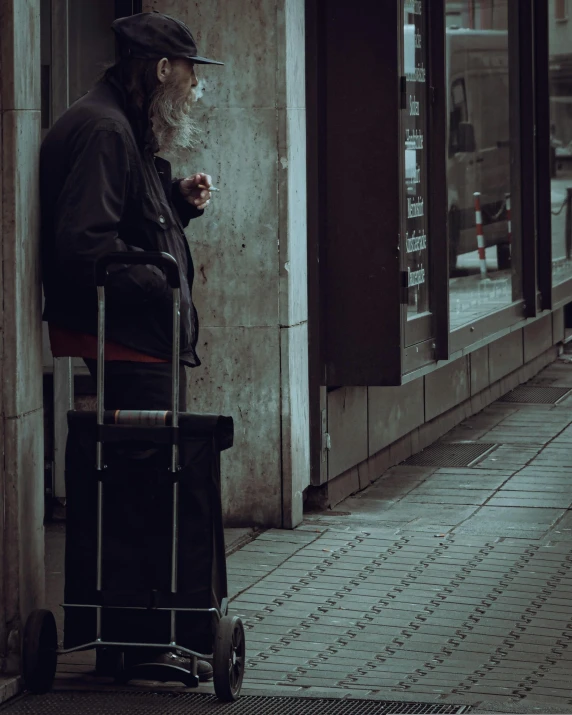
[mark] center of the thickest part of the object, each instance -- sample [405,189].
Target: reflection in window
[560,50]
[478,165]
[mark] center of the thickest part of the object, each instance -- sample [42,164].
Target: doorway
[77,45]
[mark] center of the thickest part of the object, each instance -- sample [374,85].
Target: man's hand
[193,194]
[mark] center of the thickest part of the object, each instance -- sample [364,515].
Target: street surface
[444,585]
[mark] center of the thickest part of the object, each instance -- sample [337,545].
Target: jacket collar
[138,118]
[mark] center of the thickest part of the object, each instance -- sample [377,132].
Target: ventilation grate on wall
[450,454]
[536,395]
[147,703]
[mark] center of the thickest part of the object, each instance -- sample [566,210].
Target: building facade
[443,284]
[390,251]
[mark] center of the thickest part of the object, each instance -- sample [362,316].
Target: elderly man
[103,189]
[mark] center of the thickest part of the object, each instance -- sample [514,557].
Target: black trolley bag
[145,564]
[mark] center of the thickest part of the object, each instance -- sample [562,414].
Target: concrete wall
[401,421]
[250,249]
[21,433]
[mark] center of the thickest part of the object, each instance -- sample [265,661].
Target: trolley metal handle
[169,265]
[136,258]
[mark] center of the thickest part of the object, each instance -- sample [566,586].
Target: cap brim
[204,61]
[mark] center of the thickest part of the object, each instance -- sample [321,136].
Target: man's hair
[163,103]
[139,77]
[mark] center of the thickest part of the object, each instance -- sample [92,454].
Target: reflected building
[477,14]
[483,260]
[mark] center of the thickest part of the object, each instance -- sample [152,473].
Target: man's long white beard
[170,114]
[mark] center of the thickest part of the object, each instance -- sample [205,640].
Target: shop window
[560,87]
[415,157]
[481,272]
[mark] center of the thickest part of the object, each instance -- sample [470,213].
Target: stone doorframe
[21,424]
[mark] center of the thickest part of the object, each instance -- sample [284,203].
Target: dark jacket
[102,190]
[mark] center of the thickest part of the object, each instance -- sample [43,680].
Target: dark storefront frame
[426,339]
[420,345]
[438,186]
[552,296]
[416,329]
[420,354]
[526,214]
[524,195]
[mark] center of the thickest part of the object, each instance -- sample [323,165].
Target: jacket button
[161,219]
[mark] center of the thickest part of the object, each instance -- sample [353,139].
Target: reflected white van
[478,139]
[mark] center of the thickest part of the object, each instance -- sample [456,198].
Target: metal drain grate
[450,454]
[102,703]
[536,395]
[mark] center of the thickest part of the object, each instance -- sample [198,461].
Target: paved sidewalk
[448,585]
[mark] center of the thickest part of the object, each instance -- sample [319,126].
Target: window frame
[522,192]
[397,350]
[426,338]
[552,295]
[542,149]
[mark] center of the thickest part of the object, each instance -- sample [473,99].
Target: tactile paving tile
[423,615]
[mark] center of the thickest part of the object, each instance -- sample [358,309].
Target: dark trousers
[139,385]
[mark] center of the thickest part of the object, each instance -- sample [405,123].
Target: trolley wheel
[39,651]
[229,657]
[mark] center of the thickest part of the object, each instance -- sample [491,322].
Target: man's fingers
[202,197]
[190,182]
[196,188]
[204,179]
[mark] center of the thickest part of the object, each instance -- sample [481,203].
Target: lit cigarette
[208,188]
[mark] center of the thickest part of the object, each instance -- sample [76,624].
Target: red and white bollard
[480,235]
[508,218]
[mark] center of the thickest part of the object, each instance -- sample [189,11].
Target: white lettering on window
[413,139]
[416,278]
[416,243]
[415,208]
[418,75]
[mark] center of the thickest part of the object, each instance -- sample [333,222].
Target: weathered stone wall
[250,248]
[21,433]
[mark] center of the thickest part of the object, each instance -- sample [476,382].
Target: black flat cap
[152,35]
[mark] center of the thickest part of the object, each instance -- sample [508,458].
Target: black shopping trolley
[145,568]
